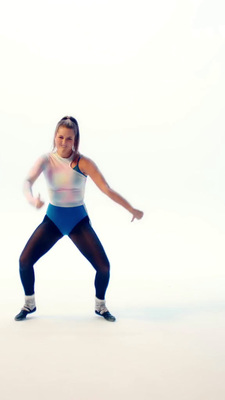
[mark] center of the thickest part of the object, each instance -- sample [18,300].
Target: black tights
[83,236]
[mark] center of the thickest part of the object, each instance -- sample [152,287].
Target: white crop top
[66,186]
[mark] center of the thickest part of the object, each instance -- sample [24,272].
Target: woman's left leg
[86,240]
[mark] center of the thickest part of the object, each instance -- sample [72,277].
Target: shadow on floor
[169,313]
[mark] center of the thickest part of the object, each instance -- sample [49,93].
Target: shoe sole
[23,314]
[109,317]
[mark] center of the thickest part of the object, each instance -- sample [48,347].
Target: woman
[66,172]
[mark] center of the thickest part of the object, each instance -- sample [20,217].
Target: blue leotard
[66,218]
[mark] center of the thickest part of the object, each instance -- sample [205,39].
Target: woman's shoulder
[80,158]
[87,165]
[43,159]
[85,161]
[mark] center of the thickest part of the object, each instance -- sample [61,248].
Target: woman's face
[64,141]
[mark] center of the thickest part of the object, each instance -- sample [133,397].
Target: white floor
[167,342]
[148,353]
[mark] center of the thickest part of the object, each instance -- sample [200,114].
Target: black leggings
[82,235]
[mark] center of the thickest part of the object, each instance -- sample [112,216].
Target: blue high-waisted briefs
[66,218]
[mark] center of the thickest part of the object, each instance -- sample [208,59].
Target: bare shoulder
[86,165]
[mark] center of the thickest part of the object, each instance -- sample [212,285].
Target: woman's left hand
[137,214]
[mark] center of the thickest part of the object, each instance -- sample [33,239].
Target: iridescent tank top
[66,186]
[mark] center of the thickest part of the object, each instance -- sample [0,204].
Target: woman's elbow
[107,190]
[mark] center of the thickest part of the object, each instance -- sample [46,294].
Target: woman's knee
[105,267]
[24,261]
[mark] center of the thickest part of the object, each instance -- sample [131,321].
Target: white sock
[100,305]
[29,302]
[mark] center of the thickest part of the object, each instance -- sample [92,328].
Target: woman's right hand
[38,203]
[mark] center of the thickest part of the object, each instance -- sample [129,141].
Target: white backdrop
[145,80]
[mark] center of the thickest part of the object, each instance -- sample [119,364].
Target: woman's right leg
[43,238]
[41,241]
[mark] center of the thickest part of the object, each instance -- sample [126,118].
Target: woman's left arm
[88,167]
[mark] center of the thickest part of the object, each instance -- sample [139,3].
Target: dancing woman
[66,172]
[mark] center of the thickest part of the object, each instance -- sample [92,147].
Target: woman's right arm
[32,176]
